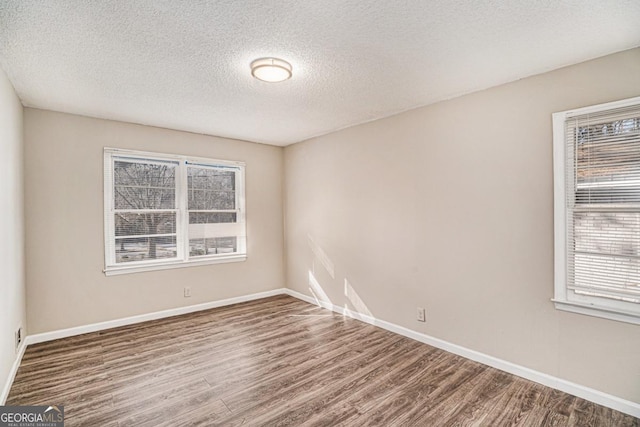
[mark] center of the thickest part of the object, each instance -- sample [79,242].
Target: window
[166,211]
[597,210]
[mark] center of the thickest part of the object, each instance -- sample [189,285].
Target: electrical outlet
[187,291]
[18,337]
[420,315]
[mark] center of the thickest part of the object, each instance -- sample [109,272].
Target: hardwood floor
[280,362]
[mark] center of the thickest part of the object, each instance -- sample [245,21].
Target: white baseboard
[12,373]
[79,330]
[94,327]
[578,390]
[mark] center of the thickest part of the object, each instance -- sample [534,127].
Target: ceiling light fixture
[271,70]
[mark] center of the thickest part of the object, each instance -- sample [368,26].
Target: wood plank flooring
[280,362]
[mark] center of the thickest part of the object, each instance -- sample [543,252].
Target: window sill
[128,269]
[591,310]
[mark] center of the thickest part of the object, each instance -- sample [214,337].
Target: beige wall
[12,286]
[64,223]
[450,207]
[447,207]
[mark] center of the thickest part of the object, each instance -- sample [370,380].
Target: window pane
[131,224]
[211,179]
[211,200]
[617,277]
[211,189]
[607,162]
[211,246]
[145,248]
[211,217]
[144,185]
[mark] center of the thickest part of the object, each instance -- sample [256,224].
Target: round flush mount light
[271,70]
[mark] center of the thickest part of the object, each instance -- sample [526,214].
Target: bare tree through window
[145,203]
[165,209]
[212,200]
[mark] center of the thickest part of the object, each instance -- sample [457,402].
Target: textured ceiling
[185,64]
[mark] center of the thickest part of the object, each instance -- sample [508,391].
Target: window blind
[603,204]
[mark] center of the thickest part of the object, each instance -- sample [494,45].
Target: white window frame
[182,213]
[563,297]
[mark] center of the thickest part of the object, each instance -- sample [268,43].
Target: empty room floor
[280,361]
